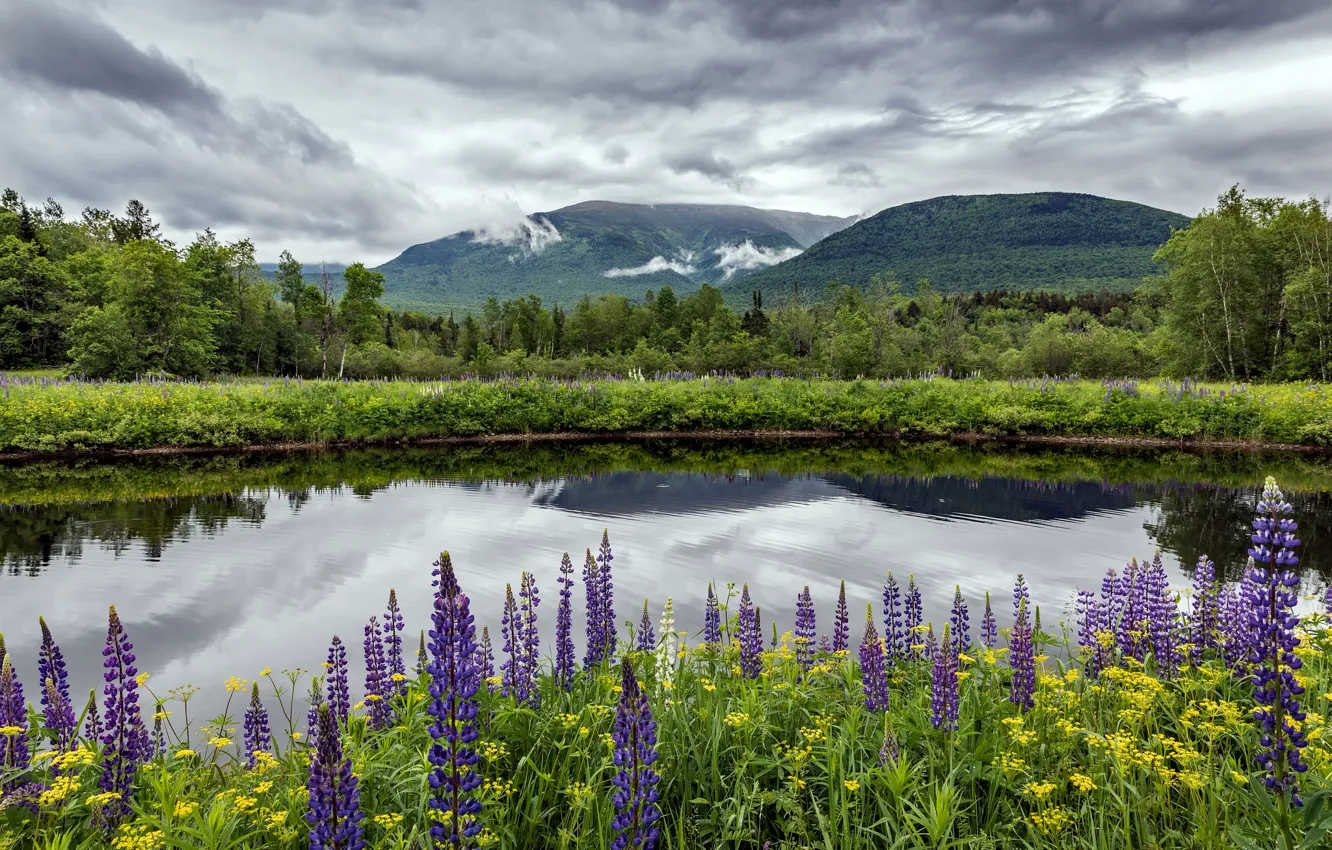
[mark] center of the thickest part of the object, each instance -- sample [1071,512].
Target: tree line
[1245,293]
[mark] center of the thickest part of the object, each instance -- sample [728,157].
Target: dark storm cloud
[709,165]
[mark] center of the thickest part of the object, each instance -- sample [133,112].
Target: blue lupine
[592,592]
[960,622]
[1022,657]
[874,678]
[57,707]
[396,666]
[335,799]
[943,684]
[805,629]
[1204,624]
[339,692]
[989,628]
[647,638]
[712,620]
[513,681]
[841,623]
[1269,614]
[529,599]
[635,737]
[125,739]
[454,681]
[15,756]
[379,690]
[895,639]
[749,637]
[92,726]
[257,737]
[1162,619]
[915,614]
[1088,614]
[606,597]
[485,658]
[564,645]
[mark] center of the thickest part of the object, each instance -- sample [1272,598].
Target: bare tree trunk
[344,361]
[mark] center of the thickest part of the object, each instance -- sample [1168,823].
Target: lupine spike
[712,620]
[841,640]
[1022,657]
[512,683]
[895,642]
[960,622]
[805,629]
[635,738]
[1204,625]
[529,637]
[57,707]
[669,647]
[454,681]
[874,678]
[943,684]
[421,657]
[915,614]
[647,639]
[92,726]
[592,592]
[396,666]
[609,630]
[257,736]
[379,690]
[749,637]
[335,799]
[989,628]
[339,692]
[564,645]
[125,741]
[15,756]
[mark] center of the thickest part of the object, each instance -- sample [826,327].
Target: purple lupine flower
[1020,594]
[125,741]
[15,756]
[1238,637]
[606,596]
[889,752]
[805,630]
[1022,657]
[529,636]
[159,733]
[335,800]
[454,681]
[712,620]
[989,628]
[1162,619]
[749,637]
[312,716]
[1204,624]
[915,613]
[512,680]
[961,623]
[378,689]
[395,664]
[647,638]
[485,658]
[1087,613]
[53,679]
[825,645]
[894,640]
[1134,620]
[635,737]
[564,645]
[1269,614]
[943,684]
[257,736]
[339,694]
[874,677]
[1110,606]
[592,590]
[92,727]
[421,657]
[841,623]
[1327,600]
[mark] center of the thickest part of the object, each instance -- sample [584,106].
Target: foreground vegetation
[1138,723]
[53,416]
[1245,294]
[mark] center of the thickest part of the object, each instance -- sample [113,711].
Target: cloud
[747,256]
[654,265]
[532,235]
[856,175]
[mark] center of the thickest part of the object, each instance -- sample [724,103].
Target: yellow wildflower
[234,684]
[851,785]
[185,753]
[1082,782]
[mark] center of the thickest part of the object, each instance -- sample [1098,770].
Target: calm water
[224,566]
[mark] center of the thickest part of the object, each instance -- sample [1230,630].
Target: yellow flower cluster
[246,804]
[797,754]
[1039,790]
[185,808]
[1052,820]
[851,785]
[568,721]
[82,757]
[235,684]
[184,753]
[491,751]
[1010,764]
[1082,782]
[498,788]
[264,761]
[137,837]
[579,795]
[388,822]
[11,731]
[736,719]
[59,791]
[219,742]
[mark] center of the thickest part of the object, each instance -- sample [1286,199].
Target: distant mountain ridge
[601,246]
[965,243]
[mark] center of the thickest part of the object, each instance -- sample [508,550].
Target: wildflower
[378,688]
[454,681]
[421,657]
[125,740]
[388,821]
[943,684]
[1023,684]
[712,620]
[234,684]
[1270,618]
[875,680]
[914,611]
[564,646]
[1051,821]
[184,753]
[1205,626]
[339,697]
[647,639]
[529,636]
[15,756]
[335,810]
[635,734]
[889,753]
[989,629]
[256,735]
[960,622]
[1161,616]
[667,652]
[92,727]
[804,630]
[841,623]
[53,678]
[1082,782]
[592,591]
[393,656]
[1039,790]
[749,636]
[851,785]
[894,637]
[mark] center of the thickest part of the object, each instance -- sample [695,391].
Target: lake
[222,566]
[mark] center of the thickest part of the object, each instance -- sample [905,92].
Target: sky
[347,130]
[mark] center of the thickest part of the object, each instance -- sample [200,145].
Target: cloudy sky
[349,129]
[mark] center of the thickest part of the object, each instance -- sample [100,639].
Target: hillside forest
[1244,293]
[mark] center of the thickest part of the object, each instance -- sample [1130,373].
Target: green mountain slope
[597,247]
[983,242]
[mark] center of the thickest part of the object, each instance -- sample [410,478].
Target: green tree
[33,292]
[359,308]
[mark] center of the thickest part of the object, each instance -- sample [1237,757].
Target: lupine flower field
[1152,717]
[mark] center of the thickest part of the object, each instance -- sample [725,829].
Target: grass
[788,760]
[44,416]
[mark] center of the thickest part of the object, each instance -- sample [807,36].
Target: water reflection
[224,566]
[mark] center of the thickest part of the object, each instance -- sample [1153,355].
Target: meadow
[1150,717]
[41,415]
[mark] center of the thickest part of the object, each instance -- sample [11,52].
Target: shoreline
[960,438]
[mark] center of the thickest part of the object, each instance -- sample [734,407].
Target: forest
[1244,293]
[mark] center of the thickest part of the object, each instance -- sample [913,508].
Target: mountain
[964,243]
[597,247]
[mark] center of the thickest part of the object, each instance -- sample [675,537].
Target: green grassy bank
[63,416]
